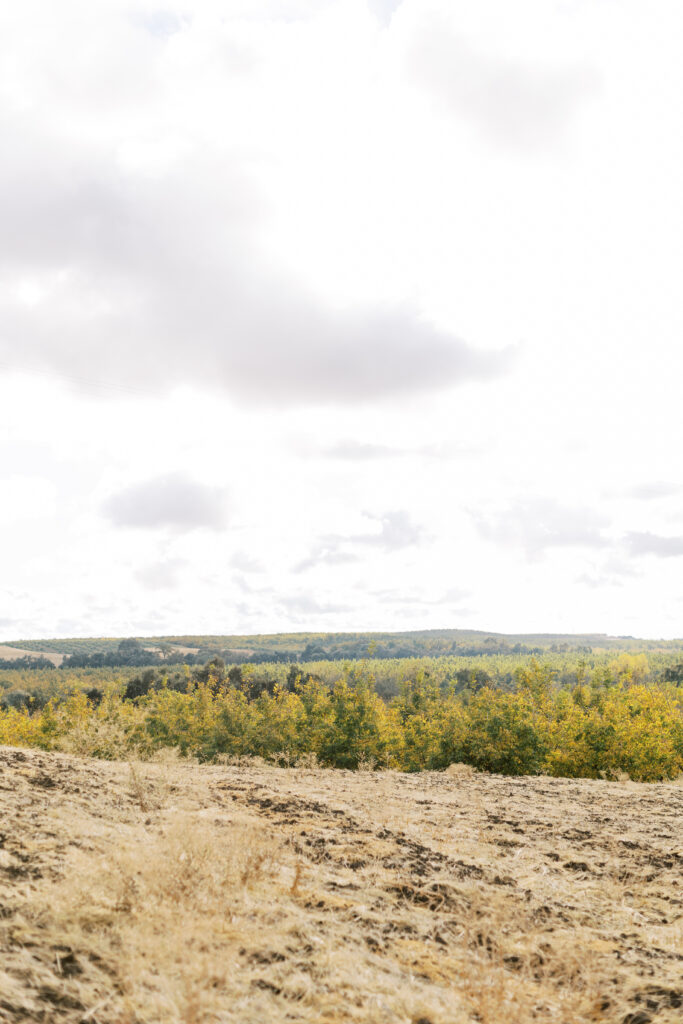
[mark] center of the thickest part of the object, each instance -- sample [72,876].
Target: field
[173,892]
[12,653]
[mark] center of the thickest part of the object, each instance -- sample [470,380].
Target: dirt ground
[173,892]
[11,653]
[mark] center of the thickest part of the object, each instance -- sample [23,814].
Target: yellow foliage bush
[587,732]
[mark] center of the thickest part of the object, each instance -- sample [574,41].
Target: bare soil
[8,653]
[173,892]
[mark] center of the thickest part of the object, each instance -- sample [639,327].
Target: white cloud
[537,524]
[653,491]
[160,575]
[302,606]
[245,562]
[168,501]
[654,544]
[130,252]
[355,450]
[517,102]
[397,531]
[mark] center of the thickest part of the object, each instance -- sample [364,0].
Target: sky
[340,315]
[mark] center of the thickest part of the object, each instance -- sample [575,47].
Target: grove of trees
[612,718]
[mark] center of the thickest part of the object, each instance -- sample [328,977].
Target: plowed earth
[173,892]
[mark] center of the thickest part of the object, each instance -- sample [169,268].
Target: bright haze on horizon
[340,314]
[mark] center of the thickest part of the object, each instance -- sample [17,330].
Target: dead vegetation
[170,892]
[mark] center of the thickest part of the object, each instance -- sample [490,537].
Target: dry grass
[170,892]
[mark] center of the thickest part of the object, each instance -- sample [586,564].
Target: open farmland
[12,653]
[173,892]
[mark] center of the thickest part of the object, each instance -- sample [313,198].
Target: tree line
[600,727]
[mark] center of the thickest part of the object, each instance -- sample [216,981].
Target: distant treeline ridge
[132,653]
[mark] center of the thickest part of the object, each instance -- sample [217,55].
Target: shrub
[586,732]
[17,699]
[505,734]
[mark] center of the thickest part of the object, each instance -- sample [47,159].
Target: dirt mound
[171,892]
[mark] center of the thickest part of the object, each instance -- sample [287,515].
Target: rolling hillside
[317,646]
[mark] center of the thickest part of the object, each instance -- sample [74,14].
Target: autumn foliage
[599,728]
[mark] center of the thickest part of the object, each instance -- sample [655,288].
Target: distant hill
[18,653]
[308,646]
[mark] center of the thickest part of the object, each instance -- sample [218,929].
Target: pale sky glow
[334,314]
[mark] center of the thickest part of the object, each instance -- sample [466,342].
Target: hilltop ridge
[311,646]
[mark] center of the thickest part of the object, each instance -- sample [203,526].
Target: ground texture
[172,892]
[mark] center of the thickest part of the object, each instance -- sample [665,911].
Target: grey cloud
[538,524]
[614,571]
[246,563]
[651,491]
[168,501]
[160,575]
[360,451]
[518,104]
[453,596]
[397,531]
[245,586]
[447,450]
[326,553]
[594,582]
[599,582]
[145,284]
[242,584]
[654,544]
[618,567]
[304,604]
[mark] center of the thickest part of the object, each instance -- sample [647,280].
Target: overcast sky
[340,314]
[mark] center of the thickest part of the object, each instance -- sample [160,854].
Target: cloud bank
[121,274]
